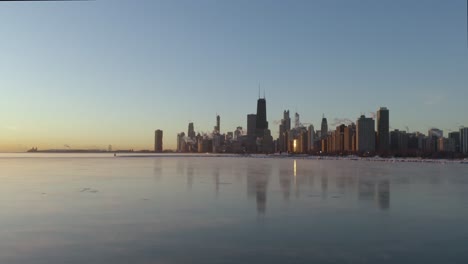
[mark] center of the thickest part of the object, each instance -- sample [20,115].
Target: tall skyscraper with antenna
[261,122]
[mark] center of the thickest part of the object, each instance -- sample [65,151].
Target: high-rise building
[217,143]
[261,122]
[304,140]
[383,130]
[191,131]
[455,136]
[399,141]
[251,125]
[435,132]
[181,144]
[310,138]
[350,138]
[267,145]
[365,134]
[432,142]
[238,133]
[284,127]
[218,124]
[286,120]
[158,141]
[446,144]
[464,140]
[297,122]
[339,144]
[416,142]
[324,127]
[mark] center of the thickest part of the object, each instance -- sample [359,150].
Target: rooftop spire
[258,90]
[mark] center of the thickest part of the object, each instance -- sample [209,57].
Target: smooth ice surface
[63,208]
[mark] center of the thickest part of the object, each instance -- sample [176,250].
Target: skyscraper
[191,131]
[399,141]
[324,127]
[435,133]
[261,122]
[251,124]
[284,127]
[286,120]
[181,144]
[349,138]
[218,123]
[455,136]
[238,133]
[158,141]
[310,138]
[383,130]
[297,122]
[365,134]
[339,143]
[464,140]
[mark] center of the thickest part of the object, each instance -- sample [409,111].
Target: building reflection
[260,187]
[371,190]
[189,173]
[383,194]
[180,166]
[216,179]
[300,177]
[257,183]
[341,183]
[324,183]
[285,179]
[157,169]
[366,189]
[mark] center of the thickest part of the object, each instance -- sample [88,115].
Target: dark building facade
[350,138]
[365,135]
[284,127]
[251,125]
[261,122]
[464,140]
[383,130]
[399,141]
[324,127]
[158,141]
[191,131]
[455,136]
[218,124]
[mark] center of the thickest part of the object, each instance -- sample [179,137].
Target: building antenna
[258,90]
[264,97]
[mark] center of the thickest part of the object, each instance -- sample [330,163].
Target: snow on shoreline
[302,157]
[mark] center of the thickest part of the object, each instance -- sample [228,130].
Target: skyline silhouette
[91,74]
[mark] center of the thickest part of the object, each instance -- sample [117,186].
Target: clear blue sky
[89,74]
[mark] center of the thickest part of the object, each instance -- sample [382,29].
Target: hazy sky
[90,74]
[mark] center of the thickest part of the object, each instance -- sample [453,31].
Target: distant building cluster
[256,139]
[364,137]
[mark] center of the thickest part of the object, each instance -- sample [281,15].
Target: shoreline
[224,155]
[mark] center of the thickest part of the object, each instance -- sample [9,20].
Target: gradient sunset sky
[90,74]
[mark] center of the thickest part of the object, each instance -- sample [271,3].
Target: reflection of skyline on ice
[211,206]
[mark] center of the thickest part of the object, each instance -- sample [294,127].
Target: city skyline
[90,74]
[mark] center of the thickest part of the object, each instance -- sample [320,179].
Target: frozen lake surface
[96,208]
